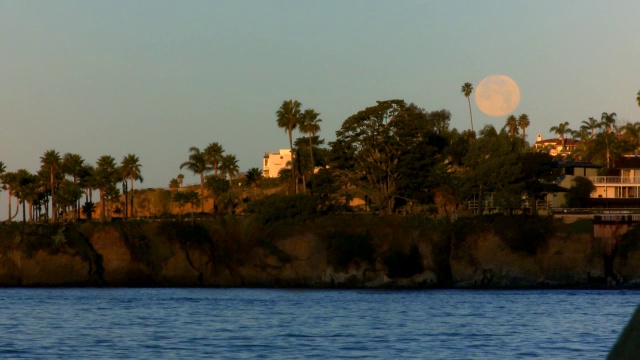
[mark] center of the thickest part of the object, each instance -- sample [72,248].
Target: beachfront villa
[556,146]
[622,189]
[273,162]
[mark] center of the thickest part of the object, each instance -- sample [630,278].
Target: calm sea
[324,324]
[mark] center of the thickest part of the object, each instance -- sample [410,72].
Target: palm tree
[105,176]
[52,161]
[10,182]
[591,125]
[632,134]
[174,184]
[253,176]
[512,125]
[561,129]
[72,165]
[467,89]
[523,123]
[213,154]
[288,118]
[198,164]
[608,121]
[638,98]
[229,166]
[130,168]
[310,125]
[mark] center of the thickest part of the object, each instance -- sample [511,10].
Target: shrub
[275,207]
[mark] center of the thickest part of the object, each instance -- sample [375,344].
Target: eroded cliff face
[485,260]
[388,255]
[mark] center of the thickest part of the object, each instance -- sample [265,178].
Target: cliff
[332,251]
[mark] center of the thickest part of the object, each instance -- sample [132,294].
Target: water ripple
[303,324]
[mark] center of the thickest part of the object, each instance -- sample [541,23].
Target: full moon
[497,95]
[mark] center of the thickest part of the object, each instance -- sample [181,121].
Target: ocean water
[303,324]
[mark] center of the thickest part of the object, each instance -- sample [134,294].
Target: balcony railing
[614,180]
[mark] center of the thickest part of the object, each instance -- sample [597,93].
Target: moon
[497,95]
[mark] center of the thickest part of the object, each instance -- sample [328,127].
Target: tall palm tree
[105,176]
[608,121]
[10,182]
[523,124]
[130,168]
[512,125]
[72,165]
[310,125]
[52,161]
[467,89]
[288,118]
[213,153]
[198,164]
[561,129]
[229,166]
[591,125]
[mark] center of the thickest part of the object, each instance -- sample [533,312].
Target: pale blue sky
[156,77]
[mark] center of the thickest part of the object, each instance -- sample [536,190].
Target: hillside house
[568,171]
[622,188]
[273,162]
[556,146]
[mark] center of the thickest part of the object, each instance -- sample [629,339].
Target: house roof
[627,162]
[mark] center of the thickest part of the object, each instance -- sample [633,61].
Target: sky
[155,77]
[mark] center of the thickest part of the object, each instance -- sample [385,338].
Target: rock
[628,344]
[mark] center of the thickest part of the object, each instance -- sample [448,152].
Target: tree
[288,118]
[10,182]
[632,134]
[52,161]
[197,164]
[638,98]
[72,165]
[23,187]
[310,125]
[183,198]
[213,153]
[523,124]
[105,175]
[174,184]
[68,195]
[608,121]
[492,164]
[467,89]
[512,125]
[130,168]
[229,166]
[579,193]
[253,176]
[590,125]
[384,150]
[561,129]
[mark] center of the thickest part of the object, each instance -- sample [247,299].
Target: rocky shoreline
[330,253]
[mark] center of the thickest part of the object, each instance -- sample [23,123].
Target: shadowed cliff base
[352,251]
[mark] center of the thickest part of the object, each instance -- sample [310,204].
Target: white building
[274,162]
